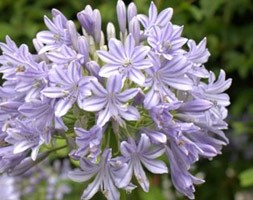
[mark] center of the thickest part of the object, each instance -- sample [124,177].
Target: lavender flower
[42,115]
[198,54]
[167,42]
[214,90]
[127,60]
[23,136]
[67,55]
[142,154]
[168,73]
[155,19]
[65,87]
[110,102]
[181,178]
[105,178]
[88,142]
[58,33]
[9,160]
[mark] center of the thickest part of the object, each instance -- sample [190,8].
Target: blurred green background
[228,26]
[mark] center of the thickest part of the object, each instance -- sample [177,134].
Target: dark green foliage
[228,26]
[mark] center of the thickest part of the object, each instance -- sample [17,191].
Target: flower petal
[164,16]
[107,57]
[64,105]
[155,166]
[109,70]
[114,84]
[92,188]
[131,114]
[93,103]
[129,46]
[144,143]
[140,52]
[128,94]
[22,146]
[116,49]
[54,92]
[141,176]
[97,88]
[136,76]
[151,99]
[104,116]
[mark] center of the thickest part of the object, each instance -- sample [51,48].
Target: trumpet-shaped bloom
[181,178]
[58,33]
[140,154]
[127,59]
[88,142]
[154,19]
[198,54]
[107,176]
[214,90]
[110,101]
[166,75]
[23,136]
[65,85]
[167,42]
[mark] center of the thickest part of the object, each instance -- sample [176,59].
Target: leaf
[239,127]
[210,7]
[246,178]
[5,29]
[196,12]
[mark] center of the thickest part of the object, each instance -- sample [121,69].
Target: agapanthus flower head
[142,102]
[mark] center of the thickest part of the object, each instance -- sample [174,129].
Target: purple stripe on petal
[94,104]
[155,166]
[114,84]
[128,94]
[54,92]
[63,106]
[109,70]
[104,116]
[107,57]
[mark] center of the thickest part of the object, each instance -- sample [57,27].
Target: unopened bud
[121,13]
[110,31]
[131,11]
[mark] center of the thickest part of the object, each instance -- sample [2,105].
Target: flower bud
[73,33]
[110,30]
[134,29]
[91,22]
[27,164]
[121,13]
[83,48]
[131,11]
[97,26]
[85,19]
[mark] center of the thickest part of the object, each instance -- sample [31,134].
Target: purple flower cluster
[119,107]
